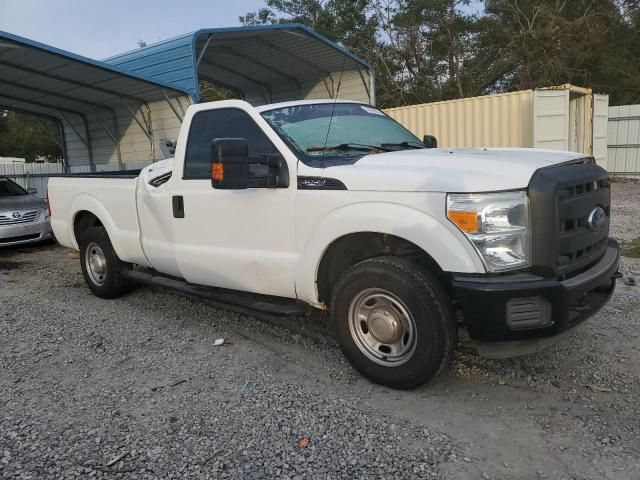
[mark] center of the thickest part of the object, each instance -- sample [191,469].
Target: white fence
[624,140]
[36,175]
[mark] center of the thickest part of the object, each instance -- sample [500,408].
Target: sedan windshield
[10,189]
[340,132]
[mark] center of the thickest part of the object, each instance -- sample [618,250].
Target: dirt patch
[6,265]
[620,179]
[631,249]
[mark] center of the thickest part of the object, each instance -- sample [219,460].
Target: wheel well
[346,251]
[83,221]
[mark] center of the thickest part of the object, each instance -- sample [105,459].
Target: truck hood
[448,170]
[20,202]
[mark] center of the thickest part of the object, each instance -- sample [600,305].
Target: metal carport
[107,116]
[263,64]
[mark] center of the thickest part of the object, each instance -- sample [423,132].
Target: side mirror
[229,163]
[430,141]
[32,191]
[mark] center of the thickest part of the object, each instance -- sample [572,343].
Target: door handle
[177,202]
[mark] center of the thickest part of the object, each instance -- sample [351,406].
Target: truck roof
[273,106]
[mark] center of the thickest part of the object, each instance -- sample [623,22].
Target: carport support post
[204,49]
[372,87]
[115,141]
[365,84]
[146,128]
[326,85]
[178,114]
[59,127]
[63,136]
[86,142]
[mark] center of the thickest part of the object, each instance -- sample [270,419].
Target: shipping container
[557,118]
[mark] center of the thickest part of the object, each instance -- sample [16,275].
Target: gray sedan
[24,217]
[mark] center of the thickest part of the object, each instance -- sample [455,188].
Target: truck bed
[110,197]
[110,174]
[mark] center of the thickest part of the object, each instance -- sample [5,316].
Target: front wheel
[101,267]
[393,321]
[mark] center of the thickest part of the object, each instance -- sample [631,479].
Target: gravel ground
[136,388]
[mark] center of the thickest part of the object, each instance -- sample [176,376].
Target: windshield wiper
[345,147]
[415,145]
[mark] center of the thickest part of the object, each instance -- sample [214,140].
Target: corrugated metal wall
[136,149]
[351,88]
[503,120]
[134,143]
[624,140]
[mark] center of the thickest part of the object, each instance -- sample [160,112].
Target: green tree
[434,41]
[533,43]
[429,50]
[354,24]
[417,47]
[29,137]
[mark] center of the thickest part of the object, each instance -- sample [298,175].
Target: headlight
[497,224]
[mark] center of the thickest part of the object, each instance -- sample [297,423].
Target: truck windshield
[10,189]
[340,132]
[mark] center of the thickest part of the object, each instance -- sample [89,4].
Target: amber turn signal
[466,221]
[217,171]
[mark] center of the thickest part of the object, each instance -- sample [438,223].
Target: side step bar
[238,301]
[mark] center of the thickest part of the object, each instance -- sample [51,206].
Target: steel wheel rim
[382,327]
[96,264]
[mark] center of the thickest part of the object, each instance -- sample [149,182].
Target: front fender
[436,236]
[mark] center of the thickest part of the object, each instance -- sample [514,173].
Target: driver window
[223,123]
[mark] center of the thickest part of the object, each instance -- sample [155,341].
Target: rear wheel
[101,267]
[393,321]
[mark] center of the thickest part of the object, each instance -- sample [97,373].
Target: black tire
[434,327]
[112,283]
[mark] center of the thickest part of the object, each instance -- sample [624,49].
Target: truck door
[236,239]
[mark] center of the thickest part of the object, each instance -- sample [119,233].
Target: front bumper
[492,306]
[27,233]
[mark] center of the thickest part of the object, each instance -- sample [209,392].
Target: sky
[101,28]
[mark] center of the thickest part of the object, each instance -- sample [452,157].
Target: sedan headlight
[497,224]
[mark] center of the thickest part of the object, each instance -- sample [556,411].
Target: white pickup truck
[329,205]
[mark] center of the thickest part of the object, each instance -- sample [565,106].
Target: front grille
[562,199]
[19,217]
[21,238]
[578,245]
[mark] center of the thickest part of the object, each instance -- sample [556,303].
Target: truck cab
[332,205]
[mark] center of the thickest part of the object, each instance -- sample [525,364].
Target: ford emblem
[16,215]
[596,219]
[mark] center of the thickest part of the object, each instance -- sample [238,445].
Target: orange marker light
[466,221]
[217,171]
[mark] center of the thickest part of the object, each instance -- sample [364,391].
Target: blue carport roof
[240,57]
[40,79]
